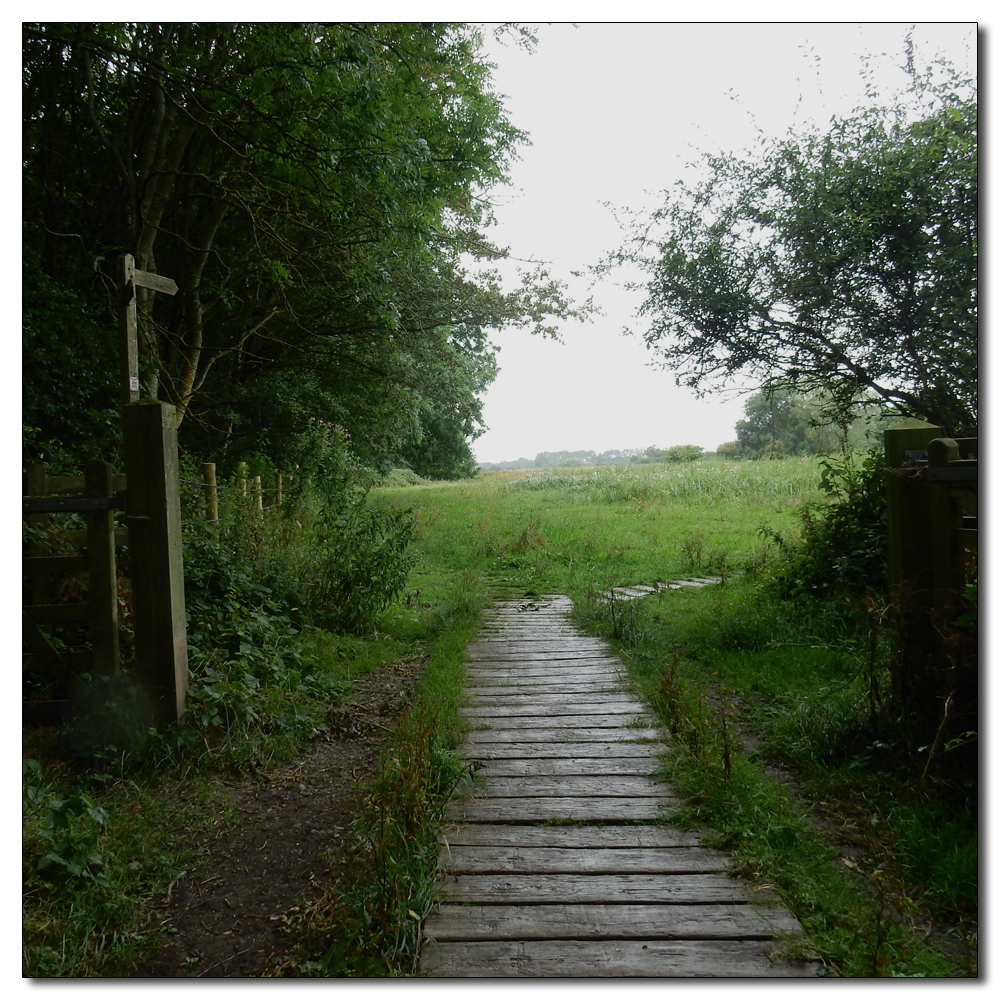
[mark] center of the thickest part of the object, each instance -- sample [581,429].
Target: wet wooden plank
[561,734]
[556,959]
[585,860]
[517,887]
[548,651]
[554,808]
[543,663]
[708,922]
[528,697]
[591,786]
[601,681]
[519,722]
[551,748]
[576,835]
[546,677]
[526,709]
[612,766]
[519,688]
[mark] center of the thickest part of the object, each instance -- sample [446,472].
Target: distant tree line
[779,424]
[615,456]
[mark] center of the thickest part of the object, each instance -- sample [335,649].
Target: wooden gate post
[154,519]
[911,581]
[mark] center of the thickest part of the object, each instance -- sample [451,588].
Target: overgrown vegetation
[287,608]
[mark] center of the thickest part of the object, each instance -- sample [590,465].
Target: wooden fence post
[241,478]
[102,591]
[911,581]
[258,490]
[154,518]
[211,494]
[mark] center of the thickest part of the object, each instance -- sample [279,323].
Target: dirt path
[225,919]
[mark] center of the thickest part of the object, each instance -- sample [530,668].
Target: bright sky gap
[616,113]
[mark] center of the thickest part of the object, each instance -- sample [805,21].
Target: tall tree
[315,190]
[841,262]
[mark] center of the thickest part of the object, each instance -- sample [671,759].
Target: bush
[842,552]
[683,453]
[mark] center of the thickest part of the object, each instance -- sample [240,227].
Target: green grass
[749,683]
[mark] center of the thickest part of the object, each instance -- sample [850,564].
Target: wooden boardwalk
[555,864]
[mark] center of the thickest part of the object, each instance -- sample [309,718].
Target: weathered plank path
[555,864]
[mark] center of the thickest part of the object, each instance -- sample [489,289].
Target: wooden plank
[51,614]
[557,703]
[584,679]
[514,887]
[562,734]
[561,670]
[649,922]
[556,808]
[558,648]
[554,651]
[156,282]
[577,835]
[539,620]
[533,751]
[541,671]
[588,785]
[557,959]
[534,633]
[553,710]
[568,689]
[517,723]
[611,766]
[505,674]
[549,698]
[585,860]
[54,485]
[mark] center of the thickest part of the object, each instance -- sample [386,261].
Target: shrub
[842,552]
[683,453]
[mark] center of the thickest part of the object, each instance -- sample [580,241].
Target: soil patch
[225,919]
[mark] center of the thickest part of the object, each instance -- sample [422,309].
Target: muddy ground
[225,920]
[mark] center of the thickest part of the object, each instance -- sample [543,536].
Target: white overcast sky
[615,111]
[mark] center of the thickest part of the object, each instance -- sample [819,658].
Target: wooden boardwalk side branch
[556,863]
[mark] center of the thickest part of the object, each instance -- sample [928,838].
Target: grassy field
[575,530]
[777,708]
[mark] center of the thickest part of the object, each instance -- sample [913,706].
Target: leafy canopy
[841,262]
[317,191]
